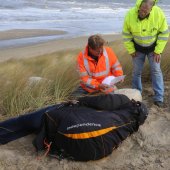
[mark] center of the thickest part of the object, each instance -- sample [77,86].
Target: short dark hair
[96,41]
[151,2]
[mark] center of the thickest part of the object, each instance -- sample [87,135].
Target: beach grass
[58,79]
[20,94]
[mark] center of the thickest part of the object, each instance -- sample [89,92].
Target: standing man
[145,33]
[95,63]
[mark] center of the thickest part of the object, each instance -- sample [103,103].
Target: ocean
[77,17]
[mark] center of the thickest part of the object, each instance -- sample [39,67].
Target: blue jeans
[156,75]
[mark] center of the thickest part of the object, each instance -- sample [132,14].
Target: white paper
[111,80]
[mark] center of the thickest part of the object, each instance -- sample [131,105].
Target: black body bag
[90,129]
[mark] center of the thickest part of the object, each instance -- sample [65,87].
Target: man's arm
[115,65]
[162,35]
[127,36]
[85,78]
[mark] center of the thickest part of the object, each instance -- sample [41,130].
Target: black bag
[90,129]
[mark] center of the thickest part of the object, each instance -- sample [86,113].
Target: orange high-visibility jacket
[92,73]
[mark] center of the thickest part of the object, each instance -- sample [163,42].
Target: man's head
[95,44]
[145,8]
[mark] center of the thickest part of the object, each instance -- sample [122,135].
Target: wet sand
[25,33]
[27,51]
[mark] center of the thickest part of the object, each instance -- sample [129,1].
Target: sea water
[76,17]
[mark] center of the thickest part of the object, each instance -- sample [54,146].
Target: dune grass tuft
[19,95]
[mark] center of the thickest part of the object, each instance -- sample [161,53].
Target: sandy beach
[45,47]
[25,33]
[147,149]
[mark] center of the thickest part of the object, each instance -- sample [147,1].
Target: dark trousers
[20,126]
[79,92]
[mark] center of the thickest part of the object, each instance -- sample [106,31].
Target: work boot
[158,103]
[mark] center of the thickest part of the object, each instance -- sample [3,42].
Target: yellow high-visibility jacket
[146,32]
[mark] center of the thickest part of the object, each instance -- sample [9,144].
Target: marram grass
[19,95]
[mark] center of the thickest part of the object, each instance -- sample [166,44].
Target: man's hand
[121,81]
[157,57]
[133,54]
[103,86]
[106,88]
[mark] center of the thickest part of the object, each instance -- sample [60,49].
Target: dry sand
[147,149]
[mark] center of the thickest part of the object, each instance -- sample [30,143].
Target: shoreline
[47,47]
[24,37]
[28,33]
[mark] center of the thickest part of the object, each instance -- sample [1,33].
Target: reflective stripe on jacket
[92,73]
[147,31]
